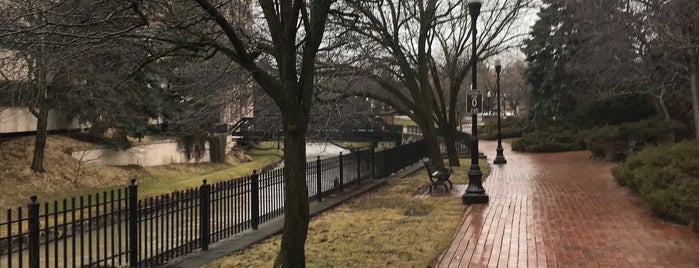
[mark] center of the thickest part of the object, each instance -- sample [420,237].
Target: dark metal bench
[438,176]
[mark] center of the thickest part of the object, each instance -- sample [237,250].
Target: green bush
[511,127]
[616,110]
[596,139]
[649,131]
[554,139]
[667,178]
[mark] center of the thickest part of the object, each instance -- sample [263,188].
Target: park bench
[438,176]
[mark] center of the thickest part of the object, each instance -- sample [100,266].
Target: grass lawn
[158,180]
[509,140]
[361,145]
[395,226]
[183,176]
[404,122]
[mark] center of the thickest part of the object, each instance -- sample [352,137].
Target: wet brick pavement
[563,210]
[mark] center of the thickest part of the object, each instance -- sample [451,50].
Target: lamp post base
[475,198]
[475,193]
[499,158]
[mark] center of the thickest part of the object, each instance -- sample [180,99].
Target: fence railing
[462,140]
[116,228]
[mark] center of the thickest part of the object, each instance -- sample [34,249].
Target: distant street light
[499,158]
[488,107]
[475,193]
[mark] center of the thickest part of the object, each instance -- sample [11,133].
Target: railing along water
[116,228]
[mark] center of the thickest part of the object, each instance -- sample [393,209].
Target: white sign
[475,101]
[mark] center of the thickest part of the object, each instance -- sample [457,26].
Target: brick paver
[563,210]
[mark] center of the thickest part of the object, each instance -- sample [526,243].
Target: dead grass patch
[395,226]
[18,181]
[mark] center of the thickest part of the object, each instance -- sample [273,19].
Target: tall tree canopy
[548,51]
[55,49]
[581,51]
[416,54]
[673,54]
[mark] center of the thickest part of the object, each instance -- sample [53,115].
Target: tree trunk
[41,132]
[694,88]
[292,252]
[450,142]
[429,133]
[660,102]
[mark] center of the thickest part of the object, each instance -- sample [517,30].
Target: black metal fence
[462,140]
[116,228]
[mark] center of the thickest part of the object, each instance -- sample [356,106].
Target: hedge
[555,139]
[667,178]
[650,131]
[511,127]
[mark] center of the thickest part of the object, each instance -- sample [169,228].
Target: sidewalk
[265,230]
[562,210]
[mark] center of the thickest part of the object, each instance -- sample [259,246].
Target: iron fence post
[255,200]
[319,180]
[133,223]
[359,165]
[342,179]
[389,162]
[33,239]
[204,215]
[373,162]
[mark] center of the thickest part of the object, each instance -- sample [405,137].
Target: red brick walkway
[562,210]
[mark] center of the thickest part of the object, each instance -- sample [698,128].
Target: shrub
[651,131]
[554,139]
[596,139]
[667,178]
[511,127]
[616,110]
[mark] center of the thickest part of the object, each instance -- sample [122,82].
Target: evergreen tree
[548,51]
[580,51]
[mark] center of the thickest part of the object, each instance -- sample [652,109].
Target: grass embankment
[404,122]
[509,140]
[165,179]
[359,145]
[395,226]
[65,176]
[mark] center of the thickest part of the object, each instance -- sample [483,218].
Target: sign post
[475,101]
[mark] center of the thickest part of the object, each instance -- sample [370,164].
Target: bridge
[248,130]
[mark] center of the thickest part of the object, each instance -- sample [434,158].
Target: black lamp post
[499,158]
[475,193]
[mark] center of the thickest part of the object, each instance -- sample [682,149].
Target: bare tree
[675,31]
[280,55]
[417,55]
[513,87]
[47,43]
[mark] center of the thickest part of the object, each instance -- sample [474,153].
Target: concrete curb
[247,238]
